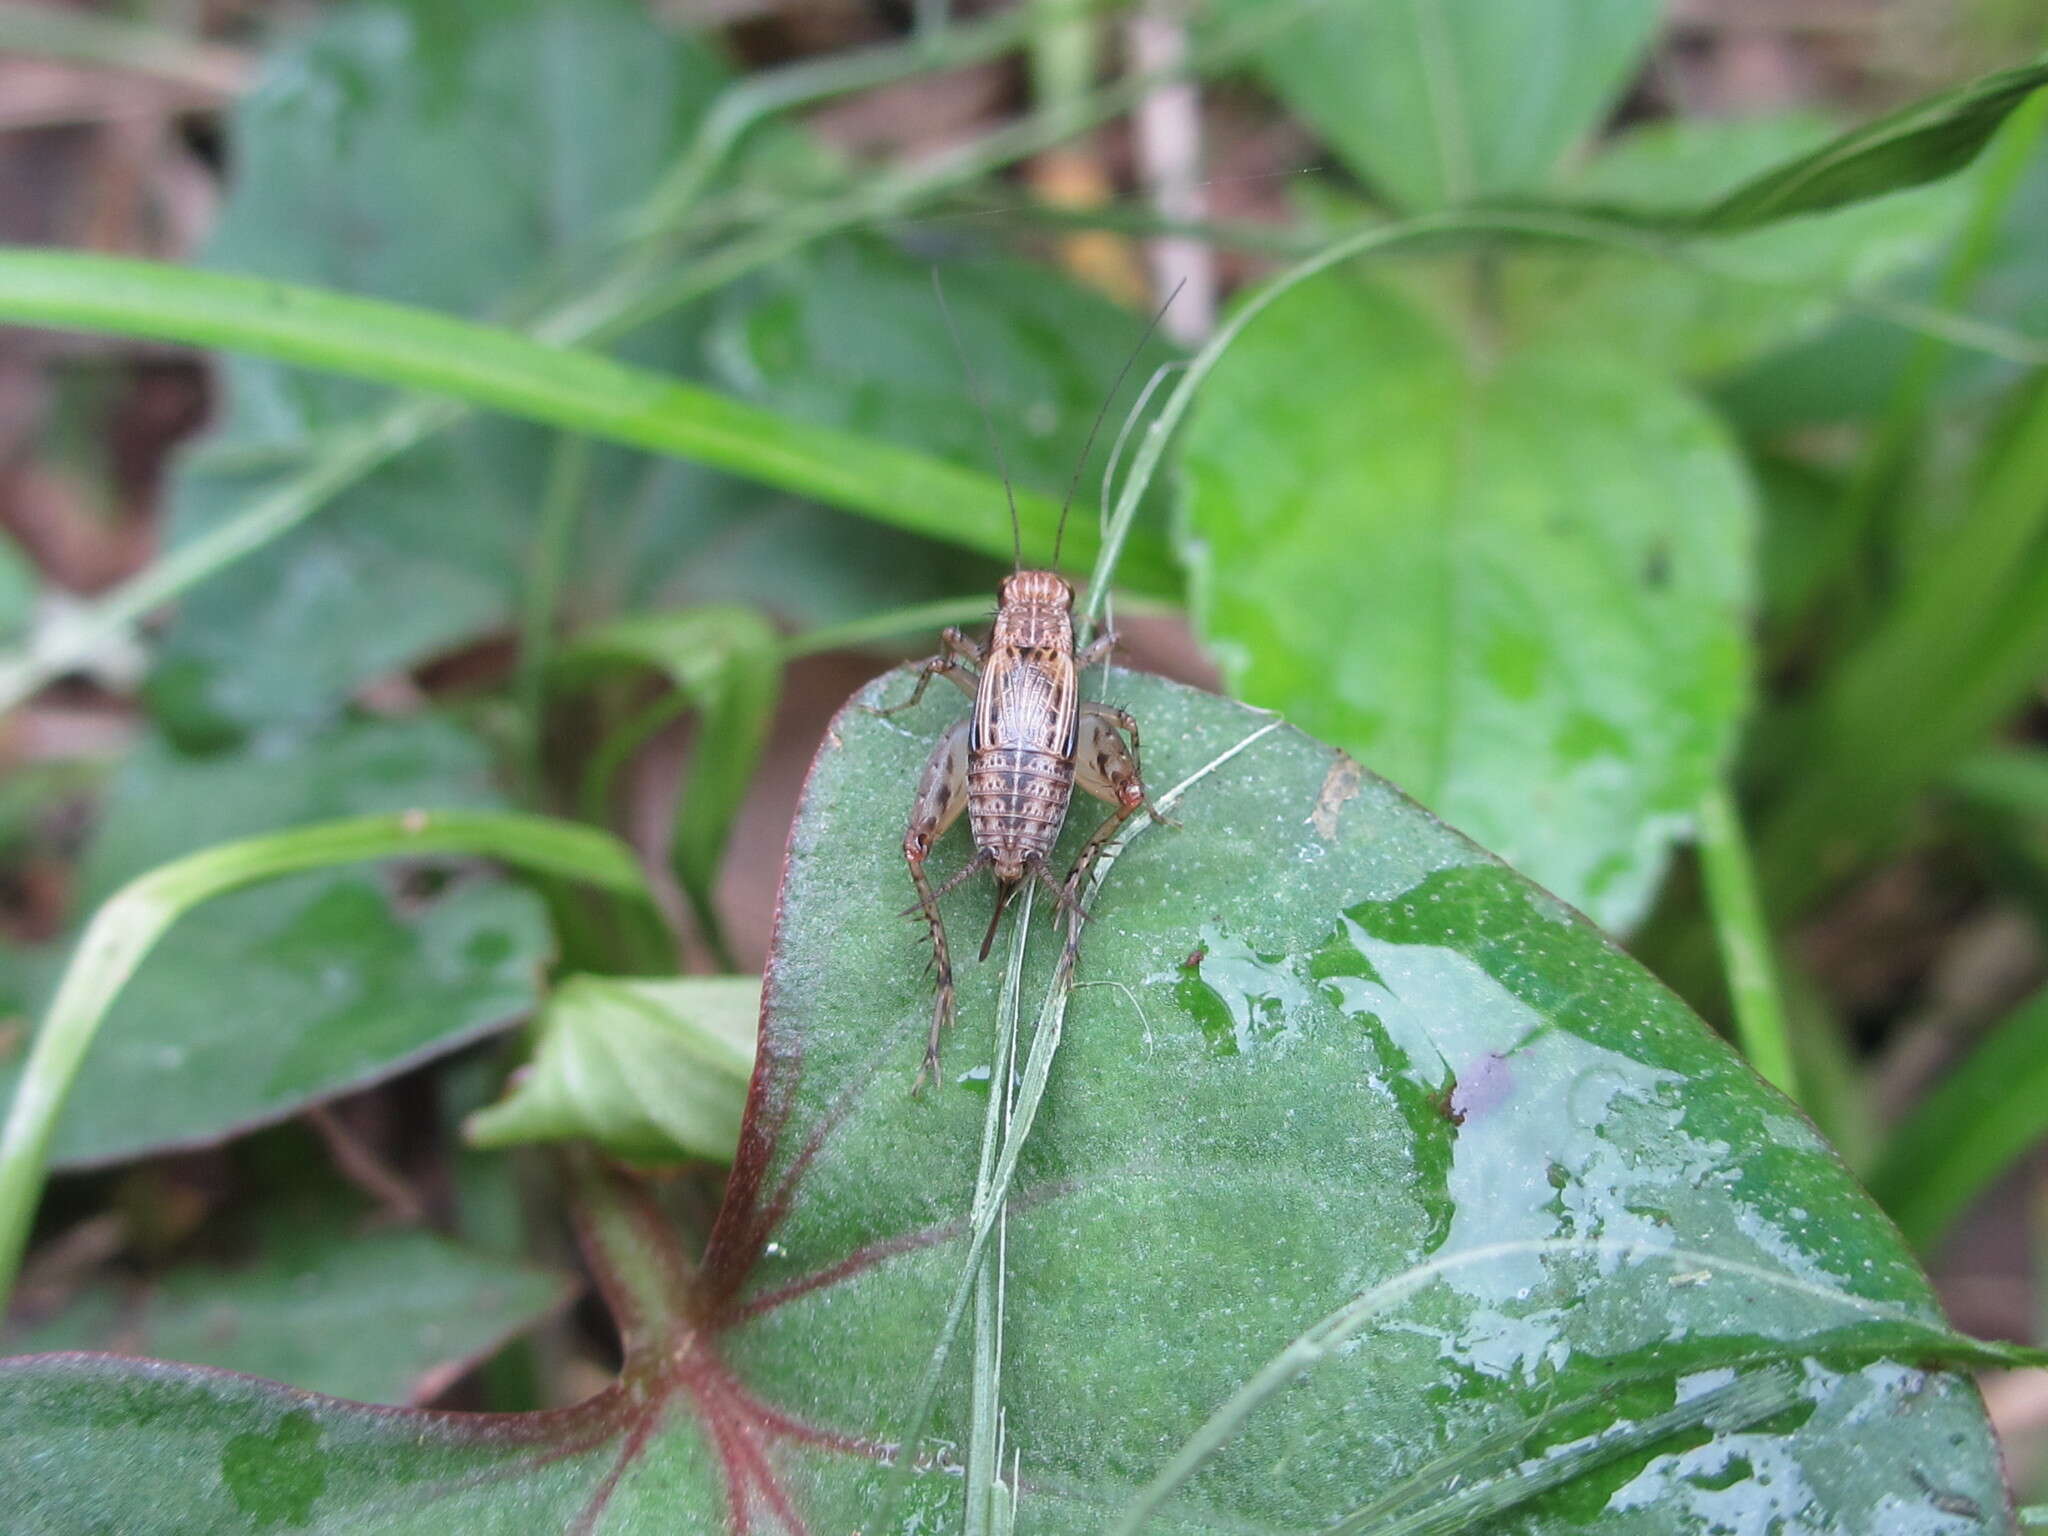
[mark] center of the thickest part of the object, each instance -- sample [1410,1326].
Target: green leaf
[126,929]
[1987,1113]
[727,662]
[653,1071]
[1784,281]
[269,1000]
[1440,102]
[1931,138]
[328,1303]
[1356,1096]
[1517,588]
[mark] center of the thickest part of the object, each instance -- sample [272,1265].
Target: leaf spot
[1339,785]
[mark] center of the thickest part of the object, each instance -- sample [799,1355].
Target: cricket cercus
[1012,764]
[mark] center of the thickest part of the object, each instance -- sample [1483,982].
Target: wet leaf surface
[1345,1049]
[1515,585]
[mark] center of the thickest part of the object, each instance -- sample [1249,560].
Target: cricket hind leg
[955,663]
[1106,767]
[941,797]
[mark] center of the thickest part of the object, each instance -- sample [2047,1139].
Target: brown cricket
[1012,764]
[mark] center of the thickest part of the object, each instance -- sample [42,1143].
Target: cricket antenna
[987,421]
[1102,415]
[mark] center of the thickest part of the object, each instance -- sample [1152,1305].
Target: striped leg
[941,797]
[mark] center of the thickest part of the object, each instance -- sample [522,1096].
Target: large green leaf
[1514,586]
[1348,1055]
[330,1302]
[266,1000]
[441,154]
[1439,102]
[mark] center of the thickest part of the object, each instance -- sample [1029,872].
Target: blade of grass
[1722,1410]
[1982,1117]
[1745,940]
[992,1192]
[124,930]
[1907,1334]
[103,42]
[751,102]
[984,1427]
[568,478]
[1960,648]
[1890,447]
[578,390]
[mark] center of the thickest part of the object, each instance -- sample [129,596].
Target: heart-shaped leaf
[1514,585]
[1334,1081]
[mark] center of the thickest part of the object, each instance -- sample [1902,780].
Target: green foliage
[725,662]
[1578,1196]
[445,155]
[1987,1112]
[1518,587]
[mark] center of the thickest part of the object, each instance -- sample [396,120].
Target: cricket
[1012,765]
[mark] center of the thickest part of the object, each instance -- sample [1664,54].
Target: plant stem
[561,502]
[1744,940]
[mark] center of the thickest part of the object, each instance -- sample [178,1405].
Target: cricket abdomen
[1016,799]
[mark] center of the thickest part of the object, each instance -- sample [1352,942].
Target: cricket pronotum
[1012,764]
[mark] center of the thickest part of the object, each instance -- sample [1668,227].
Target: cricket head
[1036,589]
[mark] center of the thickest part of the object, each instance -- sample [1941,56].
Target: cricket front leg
[941,797]
[1113,764]
[1099,649]
[955,660]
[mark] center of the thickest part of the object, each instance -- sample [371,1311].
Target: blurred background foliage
[1605,549]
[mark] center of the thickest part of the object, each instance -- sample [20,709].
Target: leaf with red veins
[1224,1156]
